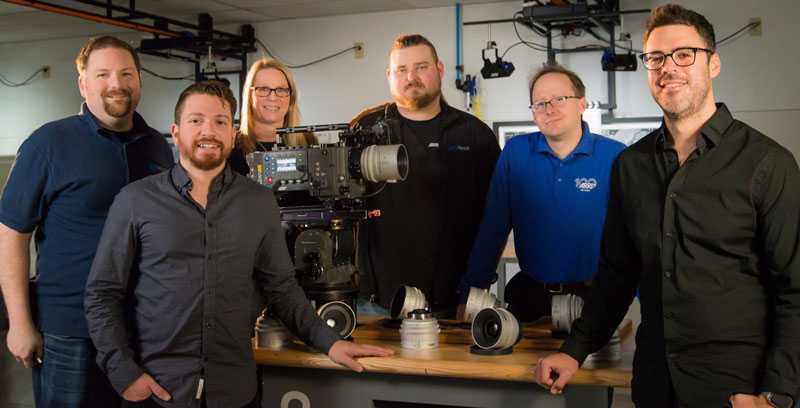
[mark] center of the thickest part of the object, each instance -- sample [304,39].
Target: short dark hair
[672,14]
[213,88]
[577,84]
[99,43]
[410,40]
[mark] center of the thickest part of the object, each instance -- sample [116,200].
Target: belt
[558,288]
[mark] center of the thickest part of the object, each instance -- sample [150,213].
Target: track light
[497,68]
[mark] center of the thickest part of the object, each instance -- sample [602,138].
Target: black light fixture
[497,68]
[618,62]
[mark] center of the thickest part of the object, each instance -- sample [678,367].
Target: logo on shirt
[458,148]
[585,184]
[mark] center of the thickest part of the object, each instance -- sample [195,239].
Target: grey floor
[16,391]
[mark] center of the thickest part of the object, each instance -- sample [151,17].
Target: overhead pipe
[97,18]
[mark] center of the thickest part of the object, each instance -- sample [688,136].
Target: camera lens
[419,330]
[339,316]
[384,163]
[495,329]
[565,310]
[271,333]
[407,299]
[478,300]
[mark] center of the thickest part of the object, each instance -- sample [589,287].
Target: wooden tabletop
[453,359]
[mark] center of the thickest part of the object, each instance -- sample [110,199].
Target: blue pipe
[458,40]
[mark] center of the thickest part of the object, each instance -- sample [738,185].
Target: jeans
[69,376]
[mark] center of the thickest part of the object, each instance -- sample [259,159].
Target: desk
[449,376]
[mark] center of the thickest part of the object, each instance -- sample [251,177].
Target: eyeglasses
[682,57]
[556,102]
[265,91]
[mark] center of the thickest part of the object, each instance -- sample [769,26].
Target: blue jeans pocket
[69,376]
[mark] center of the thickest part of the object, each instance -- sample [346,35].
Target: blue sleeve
[23,202]
[494,229]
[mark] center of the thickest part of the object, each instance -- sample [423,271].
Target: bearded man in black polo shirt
[429,221]
[703,219]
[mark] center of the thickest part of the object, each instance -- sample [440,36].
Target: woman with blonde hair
[269,102]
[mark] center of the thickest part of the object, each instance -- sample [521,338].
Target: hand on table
[345,353]
[554,371]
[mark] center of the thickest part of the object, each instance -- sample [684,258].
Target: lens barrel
[384,163]
[495,329]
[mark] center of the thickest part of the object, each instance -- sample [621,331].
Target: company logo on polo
[585,184]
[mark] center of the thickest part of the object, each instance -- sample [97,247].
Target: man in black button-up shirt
[169,295]
[703,218]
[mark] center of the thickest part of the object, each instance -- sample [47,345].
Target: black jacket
[468,150]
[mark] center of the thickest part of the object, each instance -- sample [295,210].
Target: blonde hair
[247,139]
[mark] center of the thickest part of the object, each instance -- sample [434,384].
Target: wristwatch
[779,400]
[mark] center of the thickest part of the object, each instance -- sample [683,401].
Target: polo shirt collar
[585,145]
[140,127]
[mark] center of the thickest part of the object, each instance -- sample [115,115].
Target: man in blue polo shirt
[551,188]
[63,182]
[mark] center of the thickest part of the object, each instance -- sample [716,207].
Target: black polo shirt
[64,179]
[712,246]
[429,222]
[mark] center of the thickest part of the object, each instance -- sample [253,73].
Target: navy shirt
[63,182]
[556,208]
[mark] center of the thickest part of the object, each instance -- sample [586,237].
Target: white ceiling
[19,23]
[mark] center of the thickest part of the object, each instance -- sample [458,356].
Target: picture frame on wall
[630,132]
[506,130]
[627,132]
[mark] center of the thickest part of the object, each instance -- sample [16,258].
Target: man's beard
[118,110]
[420,101]
[680,109]
[206,162]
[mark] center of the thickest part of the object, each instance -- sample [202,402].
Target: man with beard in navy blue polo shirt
[551,188]
[62,184]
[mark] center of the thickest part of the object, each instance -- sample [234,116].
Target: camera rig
[322,191]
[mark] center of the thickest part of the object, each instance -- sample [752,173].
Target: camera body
[331,171]
[321,192]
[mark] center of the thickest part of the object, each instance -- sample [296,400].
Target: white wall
[757,80]
[24,109]
[337,90]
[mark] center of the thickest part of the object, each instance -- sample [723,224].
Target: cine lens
[339,316]
[407,299]
[495,329]
[384,163]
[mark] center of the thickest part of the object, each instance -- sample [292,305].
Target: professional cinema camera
[322,191]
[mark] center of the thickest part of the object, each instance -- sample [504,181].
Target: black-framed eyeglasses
[682,57]
[555,102]
[265,91]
